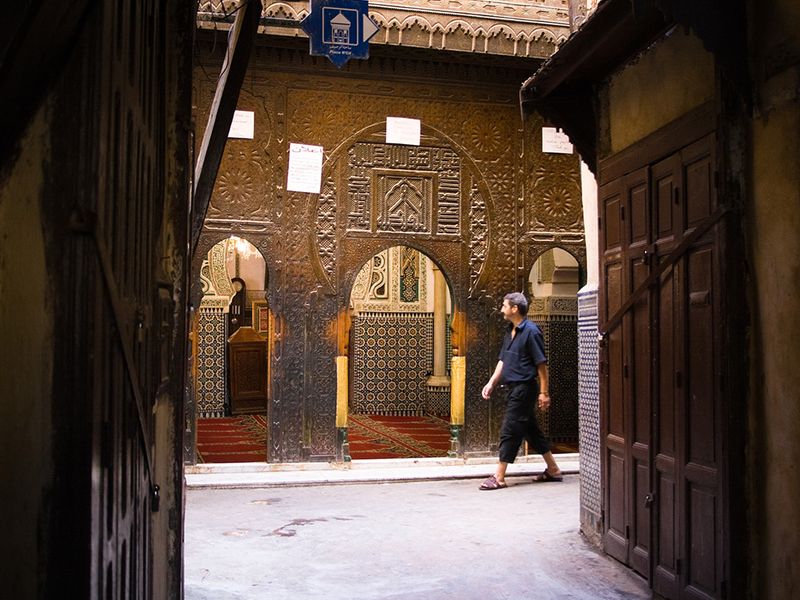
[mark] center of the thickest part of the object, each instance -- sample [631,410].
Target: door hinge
[678,379]
[621,213]
[676,195]
[627,532]
[625,371]
[678,567]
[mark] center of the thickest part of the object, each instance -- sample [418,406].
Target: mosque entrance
[231,348]
[399,398]
[553,284]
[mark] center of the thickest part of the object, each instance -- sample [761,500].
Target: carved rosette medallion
[555,195]
[243,197]
[484,137]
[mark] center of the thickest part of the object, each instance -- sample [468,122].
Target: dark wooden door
[661,385]
[249,357]
[614,400]
[626,242]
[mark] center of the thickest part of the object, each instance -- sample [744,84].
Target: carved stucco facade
[531,30]
[477,196]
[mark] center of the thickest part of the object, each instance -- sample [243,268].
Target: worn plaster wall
[666,81]
[589,201]
[774,223]
[26,338]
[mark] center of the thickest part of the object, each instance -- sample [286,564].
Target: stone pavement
[430,539]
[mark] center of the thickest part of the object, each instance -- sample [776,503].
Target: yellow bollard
[341,391]
[458,373]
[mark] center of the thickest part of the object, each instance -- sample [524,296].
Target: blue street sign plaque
[339,29]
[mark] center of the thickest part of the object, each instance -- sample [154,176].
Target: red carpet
[243,438]
[232,439]
[379,436]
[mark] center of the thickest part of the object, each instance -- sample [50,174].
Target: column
[439,377]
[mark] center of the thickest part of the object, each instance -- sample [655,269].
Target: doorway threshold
[267,475]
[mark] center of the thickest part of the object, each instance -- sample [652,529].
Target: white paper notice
[305,168]
[243,124]
[555,141]
[402,131]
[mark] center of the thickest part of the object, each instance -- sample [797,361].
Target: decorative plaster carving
[499,28]
[404,201]
[479,236]
[326,227]
[316,245]
[392,281]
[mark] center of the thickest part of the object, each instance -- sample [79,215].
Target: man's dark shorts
[520,422]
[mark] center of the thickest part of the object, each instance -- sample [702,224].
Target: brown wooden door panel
[702,513]
[667,373]
[665,576]
[701,358]
[615,361]
[666,184]
[640,357]
[639,384]
[615,540]
[698,174]
[636,214]
[610,197]
[640,528]
[702,509]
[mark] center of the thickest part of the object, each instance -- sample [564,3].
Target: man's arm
[487,389]
[544,382]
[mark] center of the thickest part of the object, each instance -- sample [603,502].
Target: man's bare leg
[500,473]
[552,466]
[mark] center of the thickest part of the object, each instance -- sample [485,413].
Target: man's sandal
[545,476]
[492,484]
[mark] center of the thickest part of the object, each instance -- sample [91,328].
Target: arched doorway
[553,284]
[231,354]
[400,344]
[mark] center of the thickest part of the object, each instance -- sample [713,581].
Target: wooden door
[626,239]
[249,357]
[668,228]
[698,397]
[661,387]
[614,401]
[637,367]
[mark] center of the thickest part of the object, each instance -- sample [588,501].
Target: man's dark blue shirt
[521,354]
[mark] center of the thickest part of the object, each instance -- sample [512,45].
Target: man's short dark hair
[517,299]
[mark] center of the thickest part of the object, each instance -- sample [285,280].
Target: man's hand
[544,401]
[487,390]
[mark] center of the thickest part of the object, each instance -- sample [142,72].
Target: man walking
[522,367]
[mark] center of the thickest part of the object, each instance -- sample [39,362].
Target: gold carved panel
[403,189]
[403,201]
